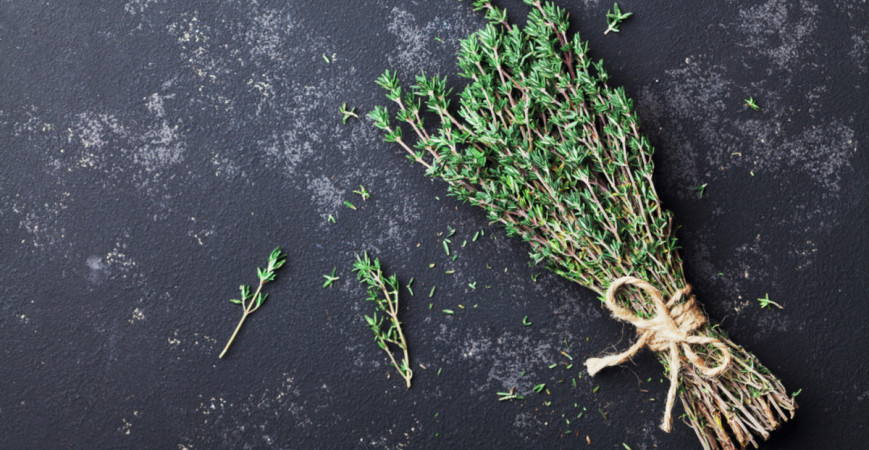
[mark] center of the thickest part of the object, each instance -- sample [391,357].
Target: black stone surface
[154,152]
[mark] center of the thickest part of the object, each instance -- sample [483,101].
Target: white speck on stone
[138,315]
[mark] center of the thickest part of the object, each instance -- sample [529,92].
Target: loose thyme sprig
[510,395]
[553,153]
[383,291]
[330,279]
[347,113]
[362,192]
[614,18]
[765,302]
[251,303]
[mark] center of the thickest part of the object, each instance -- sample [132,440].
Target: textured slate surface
[154,152]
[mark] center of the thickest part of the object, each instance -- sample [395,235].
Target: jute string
[670,330]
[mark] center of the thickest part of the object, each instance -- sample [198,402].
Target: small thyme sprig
[347,113]
[362,192]
[614,18]
[765,302]
[330,279]
[510,395]
[251,303]
[383,292]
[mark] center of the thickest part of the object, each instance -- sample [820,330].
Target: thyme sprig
[362,192]
[383,292]
[614,18]
[330,278]
[347,113]
[554,154]
[765,302]
[251,303]
[509,395]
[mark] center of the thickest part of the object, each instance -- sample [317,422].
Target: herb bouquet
[554,154]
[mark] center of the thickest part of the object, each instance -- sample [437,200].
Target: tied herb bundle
[554,154]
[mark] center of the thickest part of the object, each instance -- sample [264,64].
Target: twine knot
[672,329]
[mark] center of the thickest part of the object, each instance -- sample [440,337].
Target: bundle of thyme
[554,154]
[383,292]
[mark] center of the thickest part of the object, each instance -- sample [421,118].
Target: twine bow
[671,329]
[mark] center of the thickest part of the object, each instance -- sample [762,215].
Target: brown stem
[249,308]
[232,338]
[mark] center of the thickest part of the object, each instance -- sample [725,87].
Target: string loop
[672,329]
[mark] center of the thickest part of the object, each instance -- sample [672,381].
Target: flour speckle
[781,31]
[99,271]
[154,103]
[137,316]
[326,197]
[416,43]
[159,148]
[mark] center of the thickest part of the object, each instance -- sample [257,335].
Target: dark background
[154,152]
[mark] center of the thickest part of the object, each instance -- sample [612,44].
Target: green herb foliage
[330,278]
[251,303]
[765,302]
[554,154]
[347,113]
[362,192]
[614,18]
[383,292]
[509,396]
